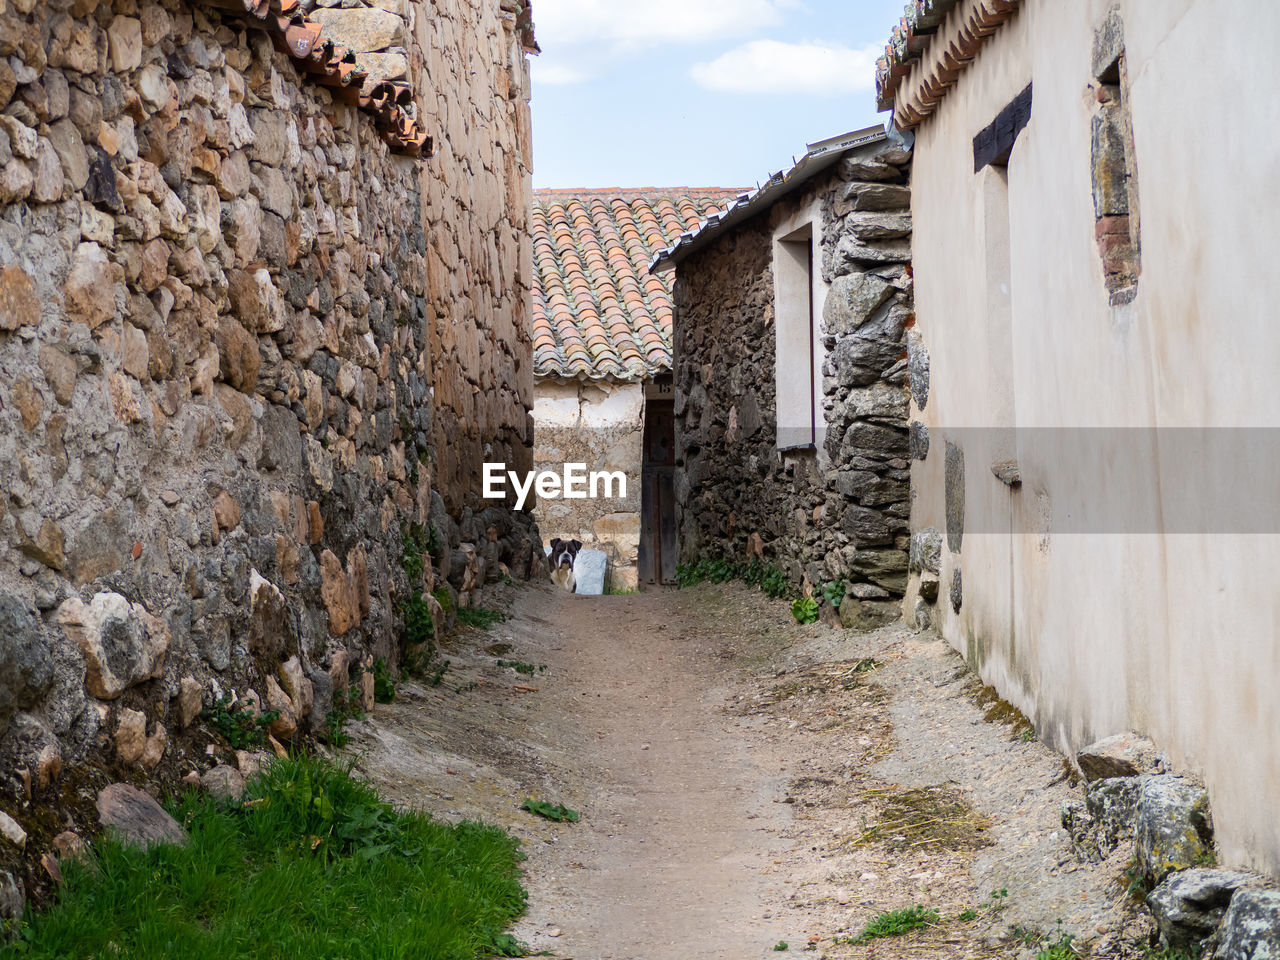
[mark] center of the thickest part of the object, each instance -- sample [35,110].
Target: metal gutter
[818,157]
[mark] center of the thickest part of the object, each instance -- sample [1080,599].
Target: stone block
[362,29]
[88,295]
[19,305]
[122,643]
[1189,905]
[1251,927]
[1173,829]
[26,666]
[136,817]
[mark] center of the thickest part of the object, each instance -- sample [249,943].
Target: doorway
[657,553]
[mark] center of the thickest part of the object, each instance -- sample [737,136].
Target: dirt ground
[743,781]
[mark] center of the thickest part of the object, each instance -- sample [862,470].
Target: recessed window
[1112,168]
[799,353]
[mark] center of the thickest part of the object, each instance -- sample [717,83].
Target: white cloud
[770,66]
[563,22]
[556,74]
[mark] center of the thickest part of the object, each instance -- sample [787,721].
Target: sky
[698,93]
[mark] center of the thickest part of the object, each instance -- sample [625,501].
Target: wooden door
[657,554]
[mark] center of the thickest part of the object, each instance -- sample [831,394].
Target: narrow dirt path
[743,782]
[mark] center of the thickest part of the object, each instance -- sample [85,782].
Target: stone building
[791,410]
[1096,297]
[262,314]
[602,357]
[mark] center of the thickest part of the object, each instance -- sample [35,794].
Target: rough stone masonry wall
[842,516]
[242,346]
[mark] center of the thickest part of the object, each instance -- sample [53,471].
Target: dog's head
[563,552]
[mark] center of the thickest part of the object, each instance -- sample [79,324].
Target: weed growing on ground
[1167,953]
[235,723]
[804,609]
[780,946]
[437,675]
[611,591]
[551,811]
[480,617]
[346,706]
[1134,880]
[1059,948]
[895,923]
[302,868]
[519,666]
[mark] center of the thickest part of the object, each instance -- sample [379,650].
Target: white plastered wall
[1174,635]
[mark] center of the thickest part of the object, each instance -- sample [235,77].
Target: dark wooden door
[657,554]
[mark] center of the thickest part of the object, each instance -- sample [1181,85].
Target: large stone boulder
[1251,927]
[136,817]
[1122,755]
[1172,828]
[1104,820]
[850,303]
[1190,904]
[122,643]
[26,664]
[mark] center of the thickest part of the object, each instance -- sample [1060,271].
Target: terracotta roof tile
[335,66]
[597,311]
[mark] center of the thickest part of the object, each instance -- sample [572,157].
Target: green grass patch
[895,923]
[480,617]
[551,811]
[313,865]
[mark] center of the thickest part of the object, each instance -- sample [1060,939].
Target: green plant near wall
[833,593]
[769,579]
[419,626]
[804,609]
[384,685]
[234,722]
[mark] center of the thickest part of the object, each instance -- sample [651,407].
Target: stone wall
[838,512]
[243,346]
[599,423]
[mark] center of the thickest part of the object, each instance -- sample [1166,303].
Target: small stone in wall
[48,764]
[131,736]
[285,724]
[122,643]
[190,695]
[917,440]
[926,551]
[154,748]
[89,293]
[957,591]
[12,831]
[19,305]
